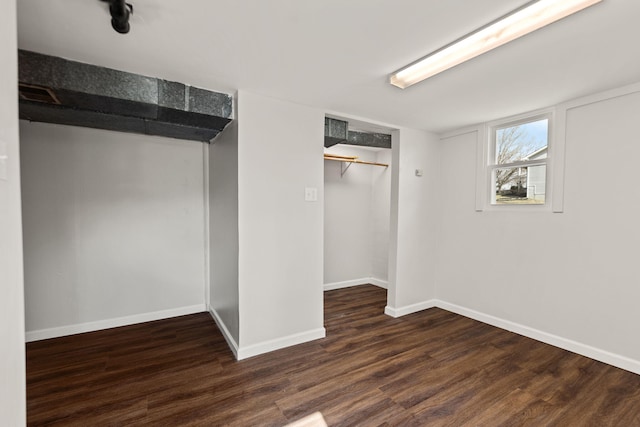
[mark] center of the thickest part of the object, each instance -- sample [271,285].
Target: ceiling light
[530,17]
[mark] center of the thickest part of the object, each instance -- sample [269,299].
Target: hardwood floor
[431,368]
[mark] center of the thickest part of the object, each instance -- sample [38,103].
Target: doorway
[357,195]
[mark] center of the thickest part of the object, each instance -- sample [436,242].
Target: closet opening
[357,196]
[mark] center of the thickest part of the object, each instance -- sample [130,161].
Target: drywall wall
[12,365]
[570,278]
[280,149]
[355,231]
[380,210]
[113,228]
[223,232]
[415,213]
[347,217]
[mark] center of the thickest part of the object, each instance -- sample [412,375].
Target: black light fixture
[120,12]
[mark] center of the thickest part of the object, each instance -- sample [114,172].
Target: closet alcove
[357,194]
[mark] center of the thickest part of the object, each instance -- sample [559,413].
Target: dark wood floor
[427,369]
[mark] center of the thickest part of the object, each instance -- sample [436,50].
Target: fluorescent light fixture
[530,17]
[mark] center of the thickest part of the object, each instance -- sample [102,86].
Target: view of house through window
[519,171]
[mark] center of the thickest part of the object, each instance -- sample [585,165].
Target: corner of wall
[414,216]
[12,324]
[280,243]
[225,331]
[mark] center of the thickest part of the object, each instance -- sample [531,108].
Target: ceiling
[336,55]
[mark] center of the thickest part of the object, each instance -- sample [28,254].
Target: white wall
[12,365]
[356,218]
[280,149]
[415,208]
[223,232]
[113,228]
[381,211]
[570,278]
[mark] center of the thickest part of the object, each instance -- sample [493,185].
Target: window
[517,161]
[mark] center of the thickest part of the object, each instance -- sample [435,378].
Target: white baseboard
[276,344]
[408,309]
[60,331]
[616,360]
[379,283]
[225,332]
[265,347]
[356,282]
[604,356]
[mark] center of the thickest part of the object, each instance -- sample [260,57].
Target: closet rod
[352,160]
[338,156]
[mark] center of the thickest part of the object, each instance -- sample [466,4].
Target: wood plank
[429,368]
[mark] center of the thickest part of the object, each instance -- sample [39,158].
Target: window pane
[527,141]
[520,186]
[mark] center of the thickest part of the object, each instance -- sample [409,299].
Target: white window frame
[485,186]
